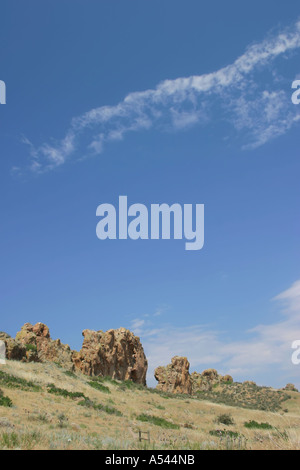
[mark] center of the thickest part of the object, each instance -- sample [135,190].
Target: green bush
[31,347]
[106,379]
[225,419]
[228,382]
[64,393]
[255,425]
[5,401]
[11,381]
[99,386]
[157,421]
[62,420]
[130,385]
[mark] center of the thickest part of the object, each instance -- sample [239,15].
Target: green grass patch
[99,407]
[31,347]
[157,421]
[108,379]
[255,425]
[99,386]
[25,441]
[5,401]
[10,381]
[64,393]
[130,385]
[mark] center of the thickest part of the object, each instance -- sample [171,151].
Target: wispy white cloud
[244,93]
[264,351]
[145,322]
[291,299]
[136,325]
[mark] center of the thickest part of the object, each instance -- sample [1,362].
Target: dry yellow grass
[40,420]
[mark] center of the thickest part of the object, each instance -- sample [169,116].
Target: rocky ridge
[115,353]
[176,378]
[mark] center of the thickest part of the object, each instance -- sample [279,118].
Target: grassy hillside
[42,406]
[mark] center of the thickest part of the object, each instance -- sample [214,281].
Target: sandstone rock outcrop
[114,353]
[175,377]
[40,347]
[290,388]
[207,379]
[13,349]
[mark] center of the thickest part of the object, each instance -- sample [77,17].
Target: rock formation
[175,377]
[40,347]
[115,353]
[290,388]
[14,350]
[204,382]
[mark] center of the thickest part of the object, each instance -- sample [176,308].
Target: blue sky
[162,101]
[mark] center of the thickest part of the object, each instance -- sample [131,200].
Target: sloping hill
[52,408]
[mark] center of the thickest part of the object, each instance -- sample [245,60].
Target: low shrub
[157,421]
[5,401]
[99,386]
[99,407]
[255,425]
[11,381]
[225,419]
[62,420]
[64,393]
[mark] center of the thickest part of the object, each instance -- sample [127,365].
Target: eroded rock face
[40,347]
[290,388]
[204,382]
[13,349]
[175,377]
[114,353]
